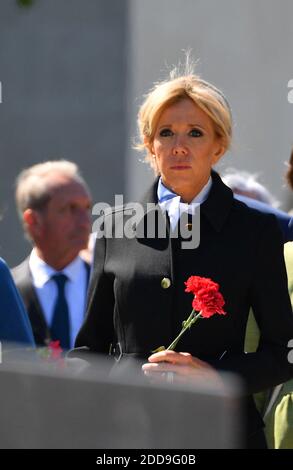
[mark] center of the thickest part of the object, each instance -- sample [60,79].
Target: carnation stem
[193,317]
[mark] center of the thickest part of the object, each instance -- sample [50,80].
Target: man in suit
[53,202]
[247,189]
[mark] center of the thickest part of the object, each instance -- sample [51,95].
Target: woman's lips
[180,167]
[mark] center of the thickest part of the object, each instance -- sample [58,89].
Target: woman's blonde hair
[171,91]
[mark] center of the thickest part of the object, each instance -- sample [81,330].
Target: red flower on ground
[55,350]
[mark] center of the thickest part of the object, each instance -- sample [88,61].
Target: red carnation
[207,298]
[207,301]
[195,283]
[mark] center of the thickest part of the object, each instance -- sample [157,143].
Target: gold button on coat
[165,283]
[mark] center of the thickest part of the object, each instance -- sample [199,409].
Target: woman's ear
[148,144]
[219,151]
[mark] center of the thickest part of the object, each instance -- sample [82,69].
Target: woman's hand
[184,366]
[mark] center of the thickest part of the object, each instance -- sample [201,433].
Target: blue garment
[285,221]
[14,323]
[165,194]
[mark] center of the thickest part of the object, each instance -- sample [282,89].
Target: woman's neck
[187,193]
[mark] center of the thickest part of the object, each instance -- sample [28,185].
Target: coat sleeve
[97,332]
[270,364]
[14,323]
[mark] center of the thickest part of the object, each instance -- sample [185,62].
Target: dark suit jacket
[240,248]
[23,280]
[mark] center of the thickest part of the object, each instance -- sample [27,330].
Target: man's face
[64,225]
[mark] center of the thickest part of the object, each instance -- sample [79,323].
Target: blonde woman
[137,298]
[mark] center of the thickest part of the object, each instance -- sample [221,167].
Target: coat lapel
[24,283]
[153,229]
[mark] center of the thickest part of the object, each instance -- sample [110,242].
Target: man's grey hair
[34,187]
[242,182]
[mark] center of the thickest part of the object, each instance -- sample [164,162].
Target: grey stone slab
[45,407]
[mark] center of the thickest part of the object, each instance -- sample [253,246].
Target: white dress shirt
[170,202]
[47,291]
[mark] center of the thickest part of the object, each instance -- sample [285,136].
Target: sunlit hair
[35,185]
[177,88]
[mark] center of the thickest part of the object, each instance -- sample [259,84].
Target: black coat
[240,248]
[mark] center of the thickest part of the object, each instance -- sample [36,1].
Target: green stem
[189,322]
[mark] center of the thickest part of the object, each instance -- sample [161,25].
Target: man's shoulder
[252,215]
[263,207]
[260,211]
[21,272]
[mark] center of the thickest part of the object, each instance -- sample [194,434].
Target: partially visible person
[246,184]
[14,323]
[54,204]
[276,405]
[246,189]
[87,254]
[279,410]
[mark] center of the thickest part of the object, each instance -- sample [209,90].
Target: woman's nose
[179,146]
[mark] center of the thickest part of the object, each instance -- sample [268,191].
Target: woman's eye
[166,133]
[195,133]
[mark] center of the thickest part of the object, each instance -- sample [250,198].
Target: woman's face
[185,148]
